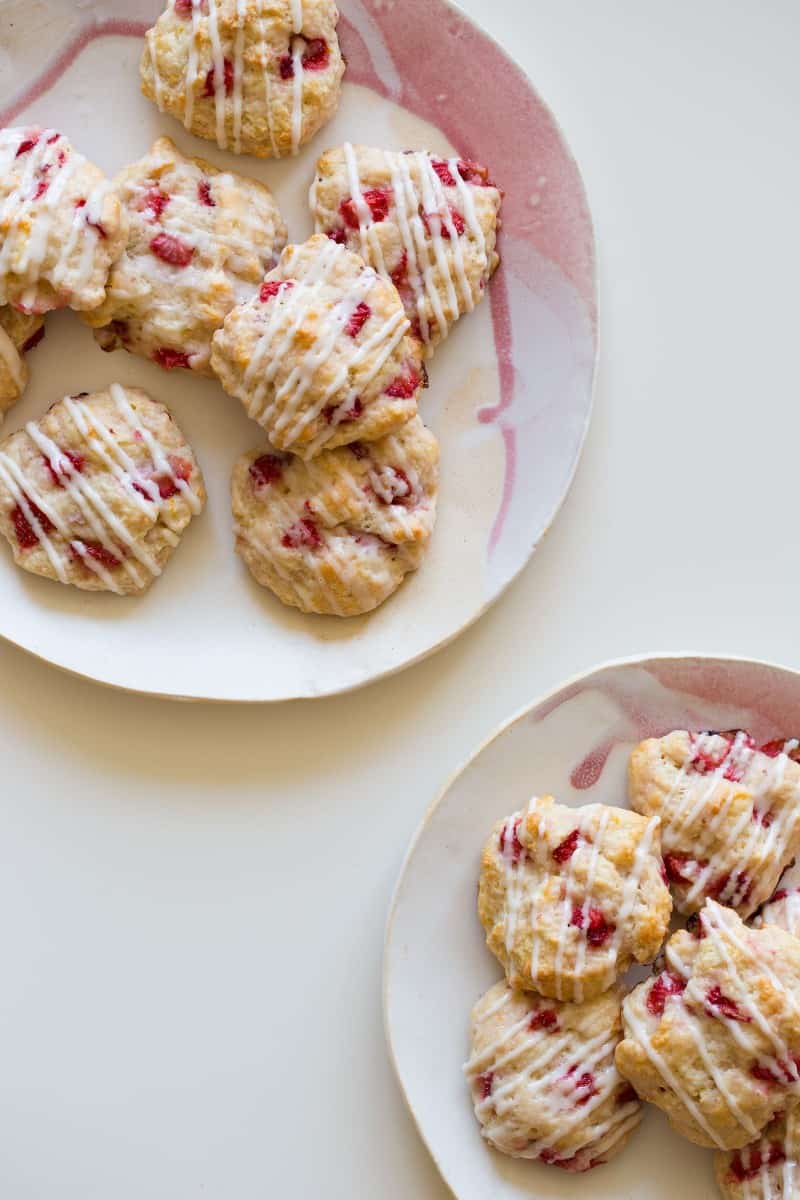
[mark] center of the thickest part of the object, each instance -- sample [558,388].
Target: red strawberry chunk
[303,534]
[361,314]
[564,852]
[546,1019]
[442,169]
[512,838]
[23,529]
[27,145]
[586,1084]
[352,414]
[172,250]
[440,224]
[183,8]
[485,1083]
[577,918]
[400,273]
[747,1164]
[167,485]
[171,359]
[273,287]
[337,235]
[718,1004]
[154,202]
[204,194]
[599,930]
[395,481]
[96,551]
[69,463]
[33,340]
[675,865]
[316,55]
[736,888]
[474,173]
[377,201]
[210,88]
[780,1072]
[404,386]
[286,66]
[266,470]
[41,188]
[665,986]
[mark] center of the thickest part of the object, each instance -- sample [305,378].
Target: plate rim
[480,611]
[632,660]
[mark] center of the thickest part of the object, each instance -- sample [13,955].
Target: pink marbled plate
[510,392]
[575,745]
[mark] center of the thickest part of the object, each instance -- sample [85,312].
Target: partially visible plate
[511,389]
[575,745]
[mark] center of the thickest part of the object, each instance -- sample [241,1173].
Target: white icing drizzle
[107,528]
[263,32]
[297,94]
[191,67]
[238,74]
[549,1077]
[218,60]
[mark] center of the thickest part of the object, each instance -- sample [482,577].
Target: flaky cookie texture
[200,242]
[543,1080]
[61,225]
[338,534]
[714,1039]
[322,355]
[570,898]
[19,333]
[255,76]
[428,224]
[767,1169]
[98,492]
[730,813]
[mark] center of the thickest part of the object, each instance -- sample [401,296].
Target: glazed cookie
[543,1078]
[730,814]
[338,534]
[714,1039]
[428,224]
[322,355]
[570,898]
[19,333]
[783,910]
[200,241]
[61,225]
[255,76]
[766,1169]
[98,492]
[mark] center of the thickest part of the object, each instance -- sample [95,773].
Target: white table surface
[192,898]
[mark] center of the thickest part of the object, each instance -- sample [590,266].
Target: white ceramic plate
[574,744]
[511,389]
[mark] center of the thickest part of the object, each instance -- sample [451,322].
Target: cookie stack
[570,898]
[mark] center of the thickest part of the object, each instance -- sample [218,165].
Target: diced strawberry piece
[171,359]
[718,1004]
[154,202]
[545,1019]
[183,8]
[69,463]
[96,551]
[352,414]
[666,985]
[564,852]
[167,485]
[273,287]
[442,169]
[404,386]
[400,273]
[474,173]
[316,55]
[511,838]
[377,201]
[303,534]
[599,930]
[41,188]
[23,529]
[172,250]
[337,235]
[756,1159]
[33,340]
[361,314]
[210,88]
[485,1083]
[266,470]
[204,194]
[27,144]
[675,866]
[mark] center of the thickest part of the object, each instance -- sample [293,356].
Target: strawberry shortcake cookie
[426,223]
[321,355]
[255,76]
[19,333]
[98,492]
[338,534]
[200,242]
